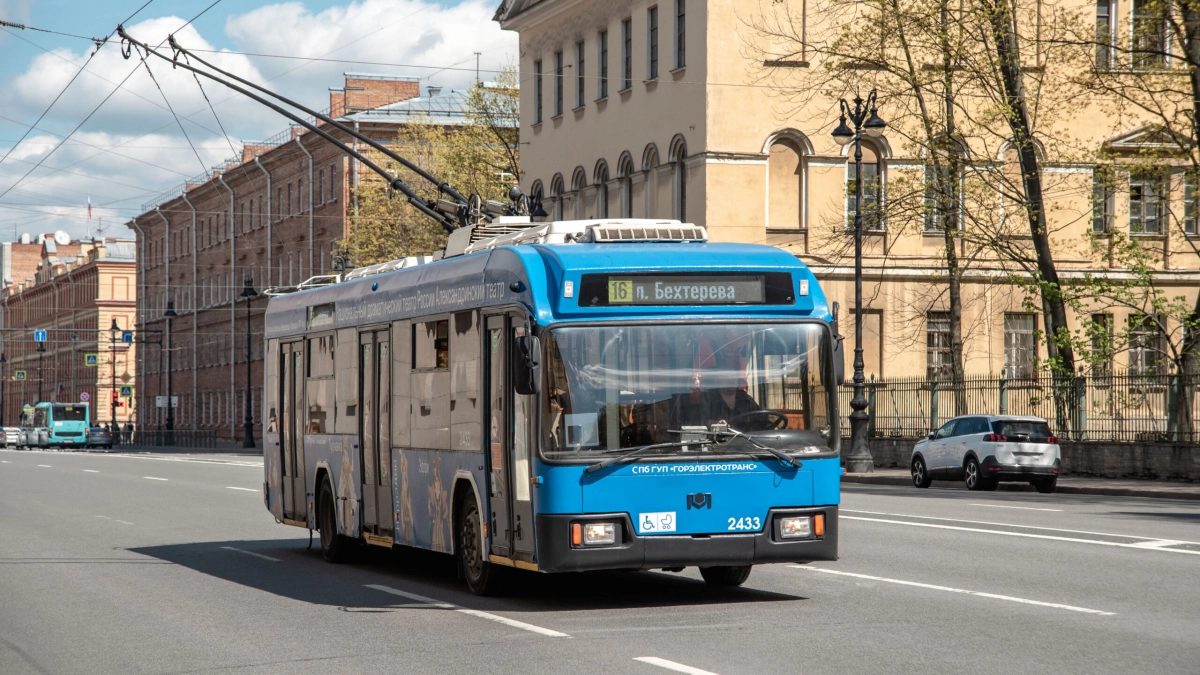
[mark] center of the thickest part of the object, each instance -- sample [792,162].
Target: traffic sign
[126,377]
[39,335]
[126,392]
[161,401]
[84,397]
[127,336]
[19,375]
[91,360]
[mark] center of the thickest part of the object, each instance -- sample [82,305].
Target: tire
[1045,486]
[920,474]
[334,547]
[726,576]
[481,576]
[973,475]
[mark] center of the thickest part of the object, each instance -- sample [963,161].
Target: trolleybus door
[374,430]
[510,438]
[291,369]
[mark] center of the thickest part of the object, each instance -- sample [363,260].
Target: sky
[129,148]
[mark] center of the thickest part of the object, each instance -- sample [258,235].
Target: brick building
[270,216]
[75,291]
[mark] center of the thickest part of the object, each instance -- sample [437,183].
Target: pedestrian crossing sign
[91,360]
[19,375]
[126,392]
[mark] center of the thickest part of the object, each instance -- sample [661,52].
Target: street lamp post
[114,335]
[41,349]
[3,364]
[169,315]
[864,116]
[249,294]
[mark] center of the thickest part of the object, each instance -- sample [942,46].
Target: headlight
[599,534]
[795,528]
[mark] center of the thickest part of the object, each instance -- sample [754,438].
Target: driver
[720,375]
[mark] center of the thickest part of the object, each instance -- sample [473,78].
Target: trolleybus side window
[430,385]
[345,349]
[465,414]
[320,384]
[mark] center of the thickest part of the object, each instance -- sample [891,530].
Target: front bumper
[555,553]
[993,469]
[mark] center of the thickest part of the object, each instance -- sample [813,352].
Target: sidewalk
[1071,485]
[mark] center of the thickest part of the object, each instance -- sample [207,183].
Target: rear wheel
[335,547]
[1045,486]
[726,576]
[479,574]
[974,476]
[920,473]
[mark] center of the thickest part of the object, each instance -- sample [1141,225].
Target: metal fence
[1111,407]
[178,438]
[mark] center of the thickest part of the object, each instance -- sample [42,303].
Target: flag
[89,207]
[61,388]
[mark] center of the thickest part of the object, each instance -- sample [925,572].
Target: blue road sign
[39,335]
[126,392]
[127,336]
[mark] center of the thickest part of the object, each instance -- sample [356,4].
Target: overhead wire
[203,166]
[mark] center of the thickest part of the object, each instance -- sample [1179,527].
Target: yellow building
[695,110]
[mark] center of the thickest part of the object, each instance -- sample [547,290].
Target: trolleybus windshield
[70,413]
[614,387]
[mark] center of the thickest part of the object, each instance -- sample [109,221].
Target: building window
[558,83]
[652,43]
[785,176]
[321,185]
[1020,350]
[626,54]
[537,91]
[1104,33]
[1147,201]
[681,187]
[1149,34]
[602,82]
[1189,203]
[872,190]
[579,74]
[1101,338]
[1103,200]
[1147,346]
[332,184]
[936,203]
[937,345]
[680,33]
[279,203]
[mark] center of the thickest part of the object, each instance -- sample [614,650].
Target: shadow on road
[303,575]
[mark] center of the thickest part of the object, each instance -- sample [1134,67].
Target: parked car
[12,437]
[99,437]
[986,449]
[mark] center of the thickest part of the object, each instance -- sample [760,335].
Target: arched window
[625,176]
[556,195]
[650,167]
[578,184]
[600,180]
[786,173]
[536,195]
[872,193]
[678,157]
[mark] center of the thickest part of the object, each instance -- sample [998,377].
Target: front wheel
[920,473]
[479,574]
[735,575]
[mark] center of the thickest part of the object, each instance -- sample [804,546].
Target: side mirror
[527,365]
[933,436]
[839,354]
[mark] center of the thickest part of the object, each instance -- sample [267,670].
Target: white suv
[986,449]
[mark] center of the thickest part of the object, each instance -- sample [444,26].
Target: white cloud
[150,155]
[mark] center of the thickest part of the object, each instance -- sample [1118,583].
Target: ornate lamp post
[169,315]
[863,115]
[41,349]
[249,294]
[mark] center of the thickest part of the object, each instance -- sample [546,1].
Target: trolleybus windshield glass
[614,387]
[70,413]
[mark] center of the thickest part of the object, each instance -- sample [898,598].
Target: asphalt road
[170,564]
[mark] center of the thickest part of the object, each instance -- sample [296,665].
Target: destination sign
[686,289]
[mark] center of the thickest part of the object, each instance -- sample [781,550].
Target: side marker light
[819,525]
[576,534]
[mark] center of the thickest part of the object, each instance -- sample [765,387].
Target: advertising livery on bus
[58,425]
[569,396]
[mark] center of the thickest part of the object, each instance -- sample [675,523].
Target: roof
[447,108]
[121,251]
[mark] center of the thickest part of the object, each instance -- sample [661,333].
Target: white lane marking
[5,461]
[671,665]
[153,478]
[988,522]
[256,555]
[964,591]
[44,466]
[1076,540]
[90,471]
[473,612]
[1023,508]
[124,522]
[230,487]
[104,517]
[1158,544]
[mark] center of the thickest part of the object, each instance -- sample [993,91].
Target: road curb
[1145,493]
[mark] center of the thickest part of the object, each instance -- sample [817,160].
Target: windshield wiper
[728,433]
[653,446]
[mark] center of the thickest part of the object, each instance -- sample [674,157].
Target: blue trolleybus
[568,396]
[59,425]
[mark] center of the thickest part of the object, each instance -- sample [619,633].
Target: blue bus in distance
[55,425]
[565,396]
